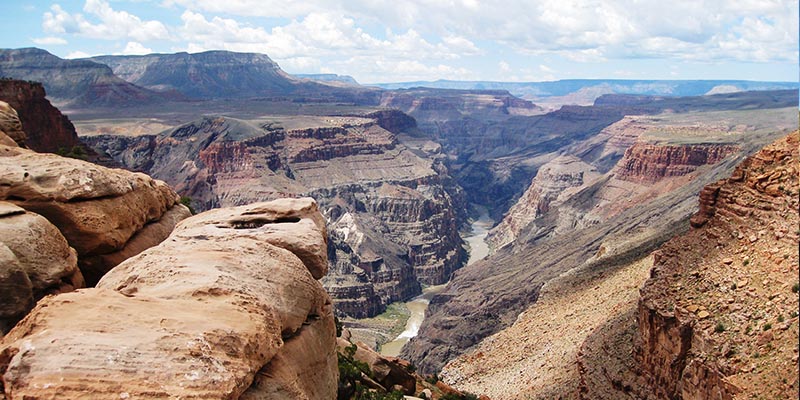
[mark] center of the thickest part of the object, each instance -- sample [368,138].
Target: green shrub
[719,328]
[767,326]
[187,201]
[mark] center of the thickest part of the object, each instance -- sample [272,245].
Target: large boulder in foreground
[36,260]
[222,309]
[97,209]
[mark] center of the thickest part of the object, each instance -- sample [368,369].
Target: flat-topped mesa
[649,163]
[227,307]
[718,316]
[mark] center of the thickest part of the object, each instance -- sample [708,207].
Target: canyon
[593,202]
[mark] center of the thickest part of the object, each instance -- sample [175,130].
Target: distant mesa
[73,82]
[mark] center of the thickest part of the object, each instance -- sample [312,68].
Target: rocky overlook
[227,307]
[718,316]
[390,210]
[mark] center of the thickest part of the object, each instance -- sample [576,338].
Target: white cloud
[136,48]
[77,54]
[110,25]
[49,41]
[582,30]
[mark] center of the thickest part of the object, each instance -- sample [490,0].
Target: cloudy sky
[406,40]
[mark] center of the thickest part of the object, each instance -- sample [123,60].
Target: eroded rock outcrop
[105,214]
[553,182]
[718,316]
[11,126]
[226,307]
[390,211]
[649,163]
[36,261]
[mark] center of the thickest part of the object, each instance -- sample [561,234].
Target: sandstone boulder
[214,311]
[97,209]
[36,260]
[10,125]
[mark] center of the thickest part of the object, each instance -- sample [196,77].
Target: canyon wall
[228,307]
[718,316]
[391,210]
[485,297]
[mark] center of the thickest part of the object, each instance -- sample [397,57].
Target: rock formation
[11,126]
[105,214]
[226,307]
[390,209]
[718,317]
[36,260]
[552,183]
[39,126]
[648,163]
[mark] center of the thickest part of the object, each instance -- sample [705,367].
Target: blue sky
[406,40]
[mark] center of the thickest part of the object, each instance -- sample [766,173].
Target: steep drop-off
[718,317]
[390,210]
[486,297]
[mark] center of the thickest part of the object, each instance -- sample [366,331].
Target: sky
[409,40]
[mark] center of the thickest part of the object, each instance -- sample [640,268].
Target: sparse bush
[187,201]
[793,314]
[795,287]
[339,326]
[432,379]
[767,326]
[733,286]
[746,262]
[719,328]
[77,152]
[780,318]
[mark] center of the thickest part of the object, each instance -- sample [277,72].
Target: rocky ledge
[227,307]
[718,316]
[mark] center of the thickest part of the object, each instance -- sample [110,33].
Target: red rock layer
[649,163]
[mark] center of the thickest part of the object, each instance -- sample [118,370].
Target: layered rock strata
[227,307]
[105,214]
[552,183]
[390,209]
[718,317]
[486,296]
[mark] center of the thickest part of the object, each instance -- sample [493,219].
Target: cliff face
[46,129]
[647,163]
[227,307]
[390,213]
[551,183]
[717,317]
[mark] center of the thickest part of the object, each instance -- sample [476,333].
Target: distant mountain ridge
[534,90]
[73,82]
[223,74]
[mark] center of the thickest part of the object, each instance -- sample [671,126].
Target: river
[417,306]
